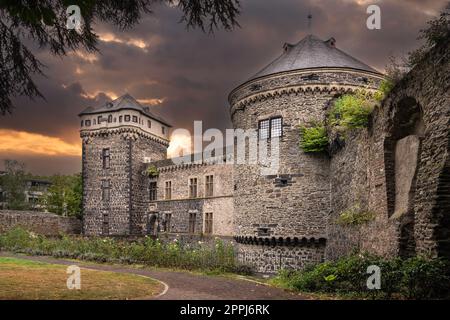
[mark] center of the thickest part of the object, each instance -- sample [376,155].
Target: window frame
[269,128]
[193,187]
[168,190]
[192,222]
[106,158]
[209,216]
[106,190]
[153,191]
[209,185]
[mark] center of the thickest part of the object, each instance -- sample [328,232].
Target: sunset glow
[21,142]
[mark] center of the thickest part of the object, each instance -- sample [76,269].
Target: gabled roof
[125,102]
[312,52]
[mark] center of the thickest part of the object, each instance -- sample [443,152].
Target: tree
[438,31]
[44,22]
[64,196]
[14,185]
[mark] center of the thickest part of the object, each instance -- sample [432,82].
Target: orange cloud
[22,142]
[179,144]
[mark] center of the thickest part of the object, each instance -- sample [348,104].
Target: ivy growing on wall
[152,172]
[355,216]
[314,138]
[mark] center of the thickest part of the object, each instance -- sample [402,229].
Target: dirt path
[188,286]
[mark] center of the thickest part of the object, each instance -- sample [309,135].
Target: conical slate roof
[125,102]
[312,52]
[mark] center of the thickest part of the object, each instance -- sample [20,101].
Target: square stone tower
[118,138]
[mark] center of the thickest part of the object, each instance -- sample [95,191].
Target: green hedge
[216,257]
[413,278]
[314,138]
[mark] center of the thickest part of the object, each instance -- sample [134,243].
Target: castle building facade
[286,219]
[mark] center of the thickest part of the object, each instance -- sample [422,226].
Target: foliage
[64,196]
[351,111]
[217,256]
[414,278]
[385,87]
[13,184]
[314,138]
[152,171]
[355,216]
[438,31]
[44,22]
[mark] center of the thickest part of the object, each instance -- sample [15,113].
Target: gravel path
[188,286]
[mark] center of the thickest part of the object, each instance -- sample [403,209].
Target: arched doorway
[402,159]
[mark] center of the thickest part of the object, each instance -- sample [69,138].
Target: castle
[398,168]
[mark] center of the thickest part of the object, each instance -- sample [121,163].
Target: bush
[217,257]
[351,111]
[355,216]
[314,138]
[413,278]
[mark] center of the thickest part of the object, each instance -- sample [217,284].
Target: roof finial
[309,22]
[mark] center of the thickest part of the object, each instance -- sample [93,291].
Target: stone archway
[402,161]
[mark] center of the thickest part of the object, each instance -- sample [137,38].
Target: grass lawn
[30,280]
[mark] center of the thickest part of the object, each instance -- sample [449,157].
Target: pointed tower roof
[312,52]
[125,102]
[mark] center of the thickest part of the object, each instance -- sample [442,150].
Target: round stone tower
[280,219]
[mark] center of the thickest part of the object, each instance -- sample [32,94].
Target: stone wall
[399,170]
[38,222]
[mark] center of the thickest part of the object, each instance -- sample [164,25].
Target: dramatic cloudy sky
[187,75]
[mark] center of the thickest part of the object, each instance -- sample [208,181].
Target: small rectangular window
[208,223]
[127,118]
[193,188]
[168,222]
[135,119]
[106,158]
[192,219]
[88,123]
[209,186]
[168,190]
[263,131]
[99,119]
[276,129]
[163,130]
[81,122]
[120,119]
[153,191]
[106,190]
[105,227]
[149,123]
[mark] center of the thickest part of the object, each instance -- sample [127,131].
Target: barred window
[276,129]
[168,222]
[264,126]
[106,190]
[208,223]
[168,191]
[153,191]
[193,188]
[192,219]
[106,158]
[270,128]
[209,186]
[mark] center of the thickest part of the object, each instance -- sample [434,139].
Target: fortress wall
[42,223]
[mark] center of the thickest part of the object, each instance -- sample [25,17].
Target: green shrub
[218,256]
[385,87]
[355,216]
[351,111]
[413,278]
[314,138]
[152,172]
